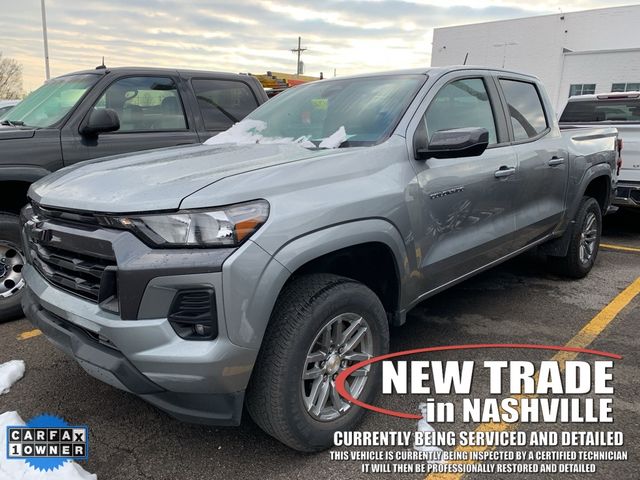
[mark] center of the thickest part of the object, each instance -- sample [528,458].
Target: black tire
[10,307]
[305,306]
[571,265]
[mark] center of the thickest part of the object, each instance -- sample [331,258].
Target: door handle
[504,171]
[555,161]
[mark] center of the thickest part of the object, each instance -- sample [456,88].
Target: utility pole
[504,46]
[298,50]
[46,42]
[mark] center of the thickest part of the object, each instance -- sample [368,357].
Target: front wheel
[11,264]
[321,325]
[584,242]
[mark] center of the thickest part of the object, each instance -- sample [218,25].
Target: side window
[145,104]
[223,102]
[461,104]
[525,109]
[582,89]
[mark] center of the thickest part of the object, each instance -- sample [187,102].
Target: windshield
[51,102]
[624,110]
[329,114]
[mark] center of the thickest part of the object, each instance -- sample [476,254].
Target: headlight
[226,226]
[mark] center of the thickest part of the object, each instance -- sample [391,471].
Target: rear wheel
[11,264]
[584,243]
[321,325]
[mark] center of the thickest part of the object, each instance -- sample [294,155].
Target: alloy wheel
[341,343]
[11,264]
[588,238]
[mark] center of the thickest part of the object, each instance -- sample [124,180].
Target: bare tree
[10,78]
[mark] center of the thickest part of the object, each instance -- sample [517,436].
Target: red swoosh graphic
[411,416]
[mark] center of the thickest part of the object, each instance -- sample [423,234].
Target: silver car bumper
[201,382]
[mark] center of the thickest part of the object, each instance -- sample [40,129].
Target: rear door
[463,208]
[152,115]
[543,166]
[220,103]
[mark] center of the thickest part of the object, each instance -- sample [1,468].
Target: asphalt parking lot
[518,302]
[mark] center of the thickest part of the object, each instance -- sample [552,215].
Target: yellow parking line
[29,334]
[620,247]
[581,340]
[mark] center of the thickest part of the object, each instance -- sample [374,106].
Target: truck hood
[157,179]
[10,133]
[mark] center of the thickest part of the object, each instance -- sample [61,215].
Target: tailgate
[630,135]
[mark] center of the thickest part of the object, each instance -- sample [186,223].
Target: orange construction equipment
[276,82]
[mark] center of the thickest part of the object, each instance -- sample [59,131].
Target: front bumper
[628,194]
[192,386]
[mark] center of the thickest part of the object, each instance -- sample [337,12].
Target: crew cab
[95,113]
[622,111]
[254,269]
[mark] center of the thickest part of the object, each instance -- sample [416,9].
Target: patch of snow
[248,131]
[334,140]
[19,470]
[10,373]
[424,427]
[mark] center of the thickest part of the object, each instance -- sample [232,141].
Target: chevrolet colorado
[280,252]
[102,112]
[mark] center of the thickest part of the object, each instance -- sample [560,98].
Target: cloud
[350,36]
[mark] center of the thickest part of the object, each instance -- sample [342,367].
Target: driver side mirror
[101,120]
[454,143]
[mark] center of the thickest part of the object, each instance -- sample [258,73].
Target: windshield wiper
[222,110]
[12,123]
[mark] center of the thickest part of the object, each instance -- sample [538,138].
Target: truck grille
[59,252]
[69,270]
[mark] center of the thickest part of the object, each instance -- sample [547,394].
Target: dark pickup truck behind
[102,112]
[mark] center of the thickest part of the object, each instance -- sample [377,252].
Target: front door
[151,114]
[466,218]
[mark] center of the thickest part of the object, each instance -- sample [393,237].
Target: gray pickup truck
[279,254]
[102,112]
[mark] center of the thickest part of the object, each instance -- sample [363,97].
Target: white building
[592,51]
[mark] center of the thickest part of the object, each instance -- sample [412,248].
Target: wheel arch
[249,306]
[350,250]
[14,184]
[596,183]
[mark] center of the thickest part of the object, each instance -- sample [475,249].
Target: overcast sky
[254,36]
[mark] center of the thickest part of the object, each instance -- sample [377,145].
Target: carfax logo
[46,442]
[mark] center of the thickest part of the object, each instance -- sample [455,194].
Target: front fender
[22,173]
[252,279]
[310,246]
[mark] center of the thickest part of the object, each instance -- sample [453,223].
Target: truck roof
[433,71]
[138,70]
